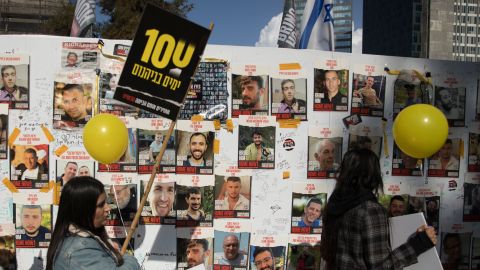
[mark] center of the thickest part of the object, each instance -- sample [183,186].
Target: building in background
[342,24]
[436,29]
[26,16]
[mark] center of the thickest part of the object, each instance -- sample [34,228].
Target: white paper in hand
[403,227]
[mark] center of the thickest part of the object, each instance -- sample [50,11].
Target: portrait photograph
[66,170]
[256,147]
[330,90]
[194,152]
[307,212]
[149,145]
[304,256]
[33,225]
[368,95]
[14,86]
[451,101]
[231,249]
[396,205]
[195,206]
[201,251]
[123,201]
[408,92]
[72,105]
[324,156]
[274,257]
[29,165]
[79,55]
[232,196]
[289,98]
[446,161]
[250,95]
[160,205]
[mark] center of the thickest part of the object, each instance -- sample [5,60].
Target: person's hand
[430,233]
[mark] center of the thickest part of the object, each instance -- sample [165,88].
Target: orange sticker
[13,136]
[216,146]
[289,123]
[60,150]
[289,66]
[217,124]
[197,118]
[286,174]
[48,134]
[6,182]
[229,125]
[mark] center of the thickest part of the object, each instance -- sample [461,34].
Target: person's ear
[316,156]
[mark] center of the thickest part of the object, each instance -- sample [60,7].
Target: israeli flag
[317,26]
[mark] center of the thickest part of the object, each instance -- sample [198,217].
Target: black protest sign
[162,60]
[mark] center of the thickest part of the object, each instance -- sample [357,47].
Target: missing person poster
[324,151]
[232,192]
[14,88]
[303,251]
[195,200]
[289,98]
[268,252]
[161,62]
[160,205]
[195,142]
[446,161]
[450,98]
[73,99]
[29,166]
[368,90]
[32,212]
[256,142]
[331,86]
[308,202]
[151,135]
[196,241]
[231,243]
[409,90]
[79,55]
[249,95]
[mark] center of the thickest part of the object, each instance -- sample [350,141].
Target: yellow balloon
[420,130]
[105,137]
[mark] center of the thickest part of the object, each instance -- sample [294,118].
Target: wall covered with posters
[258,175]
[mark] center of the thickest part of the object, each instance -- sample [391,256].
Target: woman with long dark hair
[79,240]
[355,225]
